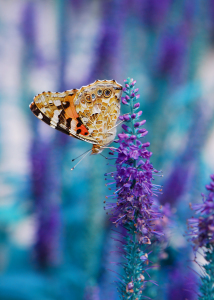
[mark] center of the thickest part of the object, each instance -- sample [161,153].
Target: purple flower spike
[137,96]
[201,233]
[201,229]
[132,95]
[121,118]
[133,209]
[127,97]
[136,90]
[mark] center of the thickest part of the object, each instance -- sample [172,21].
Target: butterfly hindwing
[98,106]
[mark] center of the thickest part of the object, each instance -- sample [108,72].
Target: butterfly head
[96,149]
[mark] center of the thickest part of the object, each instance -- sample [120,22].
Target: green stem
[207,286]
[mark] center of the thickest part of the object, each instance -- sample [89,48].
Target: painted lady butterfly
[89,114]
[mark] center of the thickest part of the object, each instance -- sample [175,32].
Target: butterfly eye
[88,98]
[107,93]
[99,93]
[93,96]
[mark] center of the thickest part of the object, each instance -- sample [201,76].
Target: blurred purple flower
[45,186]
[163,224]
[201,229]
[109,40]
[153,12]
[171,53]
[181,284]
[92,293]
[28,24]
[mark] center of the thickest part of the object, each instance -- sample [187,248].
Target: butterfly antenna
[80,155]
[81,159]
[104,156]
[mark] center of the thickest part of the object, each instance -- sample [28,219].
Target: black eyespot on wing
[88,98]
[79,124]
[86,133]
[79,131]
[107,93]
[99,93]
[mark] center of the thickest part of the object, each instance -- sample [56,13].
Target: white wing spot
[55,118]
[57,102]
[57,112]
[43,110]
[50,101]
[40,116]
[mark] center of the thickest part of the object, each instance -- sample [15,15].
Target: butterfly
[89,113]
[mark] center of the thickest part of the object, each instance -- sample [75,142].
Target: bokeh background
[55,237]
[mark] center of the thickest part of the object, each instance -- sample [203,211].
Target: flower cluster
[134,192]
[201,229]
[134,174]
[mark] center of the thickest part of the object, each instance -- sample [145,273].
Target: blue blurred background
[55,237]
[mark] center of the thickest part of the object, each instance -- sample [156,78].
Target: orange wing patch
[72,116]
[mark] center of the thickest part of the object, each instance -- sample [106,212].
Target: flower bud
[137,105]
[142,122]
[127,117]
[126,128]
[137,124]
